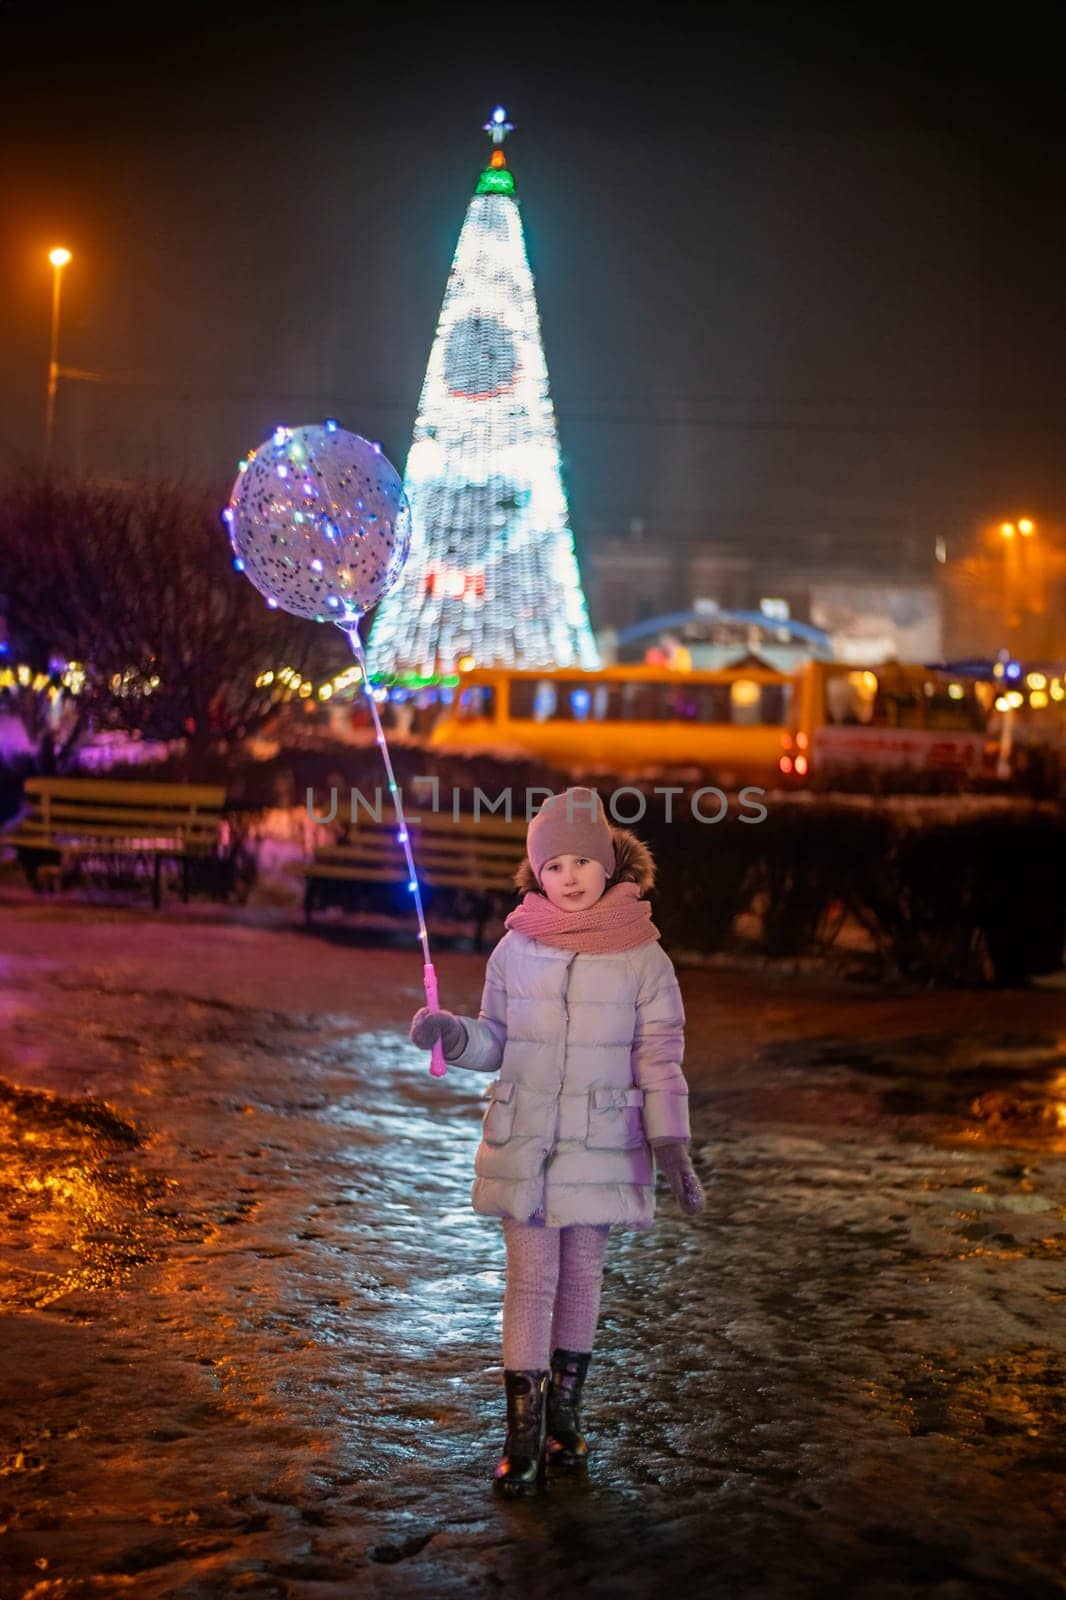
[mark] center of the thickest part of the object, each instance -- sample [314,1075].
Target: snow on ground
[251,1342]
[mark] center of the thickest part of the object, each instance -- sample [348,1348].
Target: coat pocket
[616,1120]
[498,1122]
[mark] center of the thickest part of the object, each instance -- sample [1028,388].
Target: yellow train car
[752,724]
[893,716]
[627,720]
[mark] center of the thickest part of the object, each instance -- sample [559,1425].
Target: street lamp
[59,258]
[1017,571]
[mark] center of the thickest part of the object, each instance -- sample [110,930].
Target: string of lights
[429,976]
[492,575]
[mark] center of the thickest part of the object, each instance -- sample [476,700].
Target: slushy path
[250,1342]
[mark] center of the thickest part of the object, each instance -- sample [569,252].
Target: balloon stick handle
[429,979]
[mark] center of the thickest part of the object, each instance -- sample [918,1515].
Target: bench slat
[368,875]
[447,855]
[442,825]
[120,821]
[187,796]
[432,879]
[65,827]
[136,815]
[88,847]
[500,871]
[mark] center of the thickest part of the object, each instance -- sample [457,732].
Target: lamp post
[59,258]
[1023,579]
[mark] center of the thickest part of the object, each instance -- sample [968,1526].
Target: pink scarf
[619,920]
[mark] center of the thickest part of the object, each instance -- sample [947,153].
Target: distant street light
[59,258]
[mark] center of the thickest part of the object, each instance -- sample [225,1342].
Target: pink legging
[552,1297]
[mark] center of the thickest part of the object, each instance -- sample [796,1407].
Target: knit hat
[571,823]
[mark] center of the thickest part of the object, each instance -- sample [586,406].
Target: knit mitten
[429,1026]
[672,1159]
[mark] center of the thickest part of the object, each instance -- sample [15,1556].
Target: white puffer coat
[588,1050]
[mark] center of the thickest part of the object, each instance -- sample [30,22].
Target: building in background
[872,607]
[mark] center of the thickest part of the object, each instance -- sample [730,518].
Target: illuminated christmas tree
[492,575]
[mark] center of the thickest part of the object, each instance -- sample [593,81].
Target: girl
[581,1016]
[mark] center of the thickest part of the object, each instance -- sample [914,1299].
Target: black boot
[523,1451]
[566,1447]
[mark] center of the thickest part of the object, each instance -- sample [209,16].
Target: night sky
[793,278]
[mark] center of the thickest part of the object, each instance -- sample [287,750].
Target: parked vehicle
[829,721]
[627,719]
[893,716]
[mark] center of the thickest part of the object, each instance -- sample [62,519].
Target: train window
[561,700]
[606,702]
[900,699]
[900,708]
[476,702]
[953,706]
[774,704]
[662,702]
[570,701]
[580,703]
[716,705]
[544,701]
[567,703]
[575,702]
[744,698]
[532,699]
[907,700]
[739,702]
[684,703]
[641,702]
[850,698]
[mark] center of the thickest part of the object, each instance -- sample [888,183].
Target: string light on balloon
[329,563]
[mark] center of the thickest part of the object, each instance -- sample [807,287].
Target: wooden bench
[91,819]
[465,867]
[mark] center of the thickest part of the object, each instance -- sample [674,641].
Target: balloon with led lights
[319,522]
